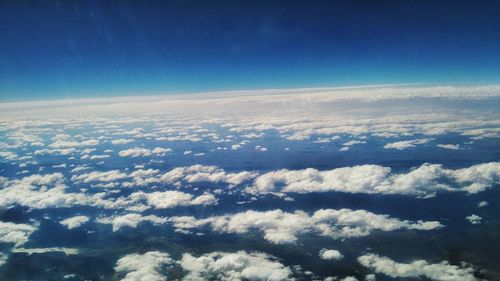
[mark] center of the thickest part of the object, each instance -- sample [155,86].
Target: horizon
[58,49]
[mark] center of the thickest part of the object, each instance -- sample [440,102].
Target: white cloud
[160,151]
[449,146]
[3,259]
[75,222]
[423,181]
[130,220]
[234,266]
[200,173]
[281,227]
[260,148]
[328,254]
[400,145]
[121,141]
[96,176]
[99,157]
[29,251]
[143,267]
[482,204]
[173,198]
[15,233]
[474,219]
[69,144]
[235,147]
[442,271]
[143,152]
[353,142]
[135,152]
[62,151]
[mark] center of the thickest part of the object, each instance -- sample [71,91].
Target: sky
[70,49]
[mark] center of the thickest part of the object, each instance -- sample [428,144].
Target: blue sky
[67,49]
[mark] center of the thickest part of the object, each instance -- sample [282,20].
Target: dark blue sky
[57,49]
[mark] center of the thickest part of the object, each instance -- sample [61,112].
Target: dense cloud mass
[424,181]
[300,184]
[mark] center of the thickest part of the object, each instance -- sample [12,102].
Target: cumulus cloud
[130,220]
[200,173]
[69,144]
[449,146]
[3,258]
[328,254]
[42,191]
[143,267]
[29,251]
[160,151]
[423,181]
[75,221]
[442,271]
[400,145]
[143,152]
[482,204]
[353,142]
[135,152]
[282,227]
[234,266]
[121,141]
[15,233]
[173,198]
[474,219]
[95,176]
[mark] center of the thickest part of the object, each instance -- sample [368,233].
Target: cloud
[449,146]
[482,204]
[400,145]
[135,152]
[160,151]
[234,266]
[29,251]
[130,220]
[442,271]
[3,259]
[424,181]
[95,176]
[61,143]
[474,219]
[143,267]
[327,254]
[75,222]
[15,233]
[121,141]
[143,152]
[281,227]
[45,191]
[173,198]
[353,142]
[200,173]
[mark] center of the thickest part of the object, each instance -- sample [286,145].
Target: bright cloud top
[282,227]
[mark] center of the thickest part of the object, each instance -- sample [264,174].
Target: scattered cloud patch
[449,146]
[474,219]
[17,234]
[328,254]
[145,266]
[442,271]
[401,145]
[75,221]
